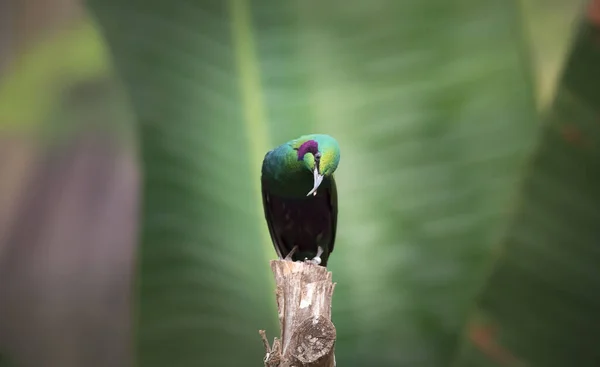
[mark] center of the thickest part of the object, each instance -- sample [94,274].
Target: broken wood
[304,292]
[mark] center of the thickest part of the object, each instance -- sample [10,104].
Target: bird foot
[291,253]
[315,260]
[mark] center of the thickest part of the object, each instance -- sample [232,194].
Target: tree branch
[304,293]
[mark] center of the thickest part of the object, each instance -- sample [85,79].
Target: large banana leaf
[433,108]
[540,304]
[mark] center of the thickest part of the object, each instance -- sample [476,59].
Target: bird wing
[277,242]
[333,205]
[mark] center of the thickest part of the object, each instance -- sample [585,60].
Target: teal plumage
[302,222]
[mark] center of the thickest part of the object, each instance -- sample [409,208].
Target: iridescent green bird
[300,197]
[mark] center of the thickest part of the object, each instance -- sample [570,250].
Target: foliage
[443,163]
[539,306]
[432,105]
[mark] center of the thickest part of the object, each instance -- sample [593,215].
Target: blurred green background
[131,138]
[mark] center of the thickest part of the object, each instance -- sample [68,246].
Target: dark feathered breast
[306,222]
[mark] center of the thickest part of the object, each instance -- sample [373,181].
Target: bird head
[321,155]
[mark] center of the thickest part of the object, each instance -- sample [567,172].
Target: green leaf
[433,108]
[434,127]
[540,304]
[205,284]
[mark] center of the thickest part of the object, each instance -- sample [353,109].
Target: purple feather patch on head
[309,146]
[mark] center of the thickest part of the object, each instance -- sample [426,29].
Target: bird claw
[315,260]
[291,253]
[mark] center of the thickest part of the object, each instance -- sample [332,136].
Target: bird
[300,200]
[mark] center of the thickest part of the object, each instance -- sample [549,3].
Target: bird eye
[318,155]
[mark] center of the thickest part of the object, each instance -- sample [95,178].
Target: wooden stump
[304,293]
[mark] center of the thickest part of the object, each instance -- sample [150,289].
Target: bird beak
[318,180]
